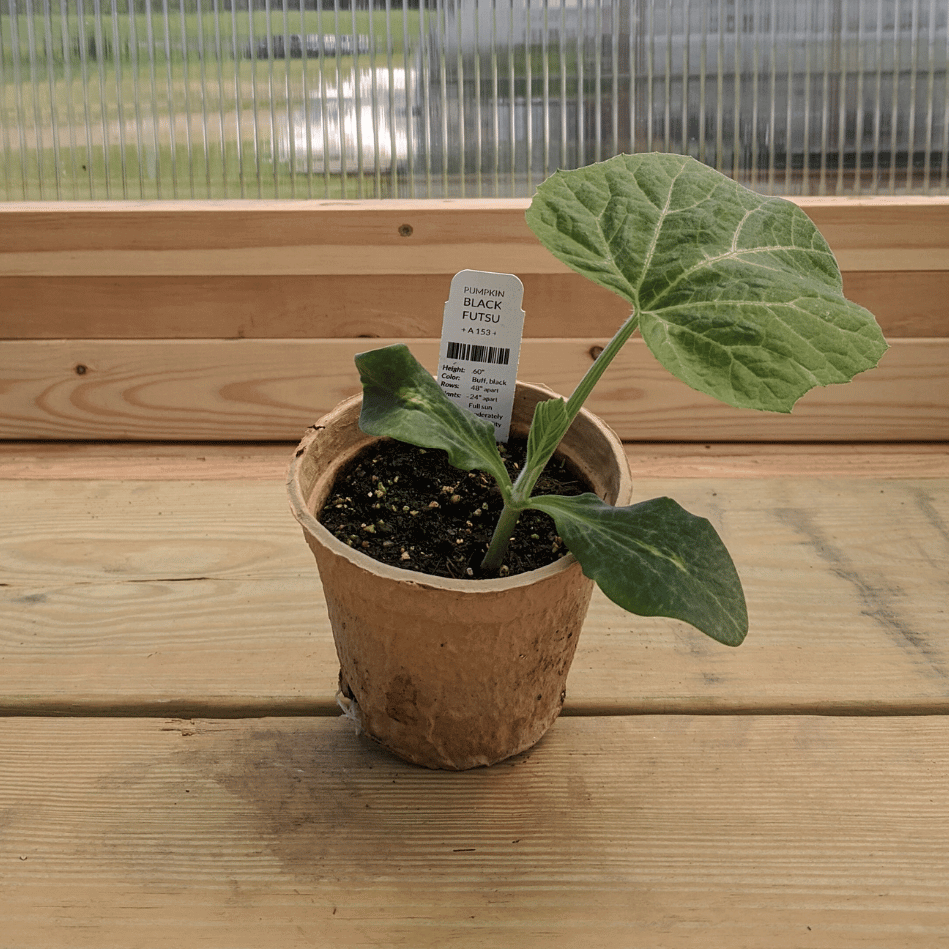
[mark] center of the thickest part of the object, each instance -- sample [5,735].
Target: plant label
[481,344]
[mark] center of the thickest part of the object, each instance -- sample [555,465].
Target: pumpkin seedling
[735,293]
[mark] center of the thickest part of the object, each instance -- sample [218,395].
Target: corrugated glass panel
[374,98]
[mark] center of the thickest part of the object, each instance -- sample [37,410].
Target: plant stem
[524,485]
[501,538]
[525,482]
[600,364]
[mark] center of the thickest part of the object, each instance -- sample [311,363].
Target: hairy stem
[524,485]
[600,364]
[525,482]
[501,538]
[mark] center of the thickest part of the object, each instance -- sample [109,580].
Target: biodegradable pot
[450,673]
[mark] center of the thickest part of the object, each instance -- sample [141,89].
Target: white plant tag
[481,344]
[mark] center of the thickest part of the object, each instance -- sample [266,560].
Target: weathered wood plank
[822,460]
[273,389]
[250,461]
[154,461]
[379,237]
[138,596]
[906,304]
[673,831]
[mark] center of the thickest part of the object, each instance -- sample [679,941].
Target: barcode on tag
[481,343]
[469,352]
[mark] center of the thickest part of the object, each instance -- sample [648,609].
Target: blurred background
[130,99]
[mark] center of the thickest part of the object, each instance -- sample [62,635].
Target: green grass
[79,126]
[47,104]
[146,173]
[127,154]
[55,39]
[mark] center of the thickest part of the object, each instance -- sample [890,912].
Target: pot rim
[310,524]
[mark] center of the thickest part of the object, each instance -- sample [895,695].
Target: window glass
[112,99]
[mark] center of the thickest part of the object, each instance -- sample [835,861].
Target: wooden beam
[273,389]
[237,238]
[263,306]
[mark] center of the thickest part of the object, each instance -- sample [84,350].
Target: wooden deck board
[613,832]
[263,461]
[199,595]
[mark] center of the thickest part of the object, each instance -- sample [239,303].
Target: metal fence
[105,99]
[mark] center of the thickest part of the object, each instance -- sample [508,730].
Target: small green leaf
[738,294]
[654,559]
[549,425]
[402,400]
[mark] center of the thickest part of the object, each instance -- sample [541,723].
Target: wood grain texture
[782,460]
[249,461]
[905,304]
[278,238]
[674,832]
[263,306]
[691,796]
[366,237]
[202,597]
[273,389]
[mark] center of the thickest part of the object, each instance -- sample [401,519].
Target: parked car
[359,125]
[295,45]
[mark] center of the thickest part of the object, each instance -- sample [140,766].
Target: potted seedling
[737,295]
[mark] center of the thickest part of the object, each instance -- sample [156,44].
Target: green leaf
[402,400]
[738,294]
[548,427]
[654,559]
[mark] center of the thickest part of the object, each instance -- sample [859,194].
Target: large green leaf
[738,294]
[402,400]
[654,559]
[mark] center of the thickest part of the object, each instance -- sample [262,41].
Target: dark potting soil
[409,507]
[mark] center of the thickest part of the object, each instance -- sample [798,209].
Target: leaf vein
[654,243]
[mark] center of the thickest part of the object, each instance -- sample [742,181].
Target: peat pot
[450,673]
